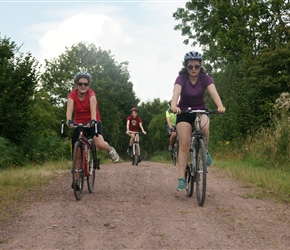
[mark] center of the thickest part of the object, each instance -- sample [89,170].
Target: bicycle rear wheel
[174,152]
[91,178]
[77,171]
[201,171]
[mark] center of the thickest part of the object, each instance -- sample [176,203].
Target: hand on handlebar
[70,123]
[91,123]
[175,110]
[221,109]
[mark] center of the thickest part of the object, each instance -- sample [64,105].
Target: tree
[233,31]
[18,78]
[246,46]
[154,121]
[110,81]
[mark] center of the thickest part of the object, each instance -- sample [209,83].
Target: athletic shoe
[114,155]
[181,184]
[209,161]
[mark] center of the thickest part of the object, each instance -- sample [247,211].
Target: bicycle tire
[136,156]
[77,171]
[91,178]
[132,154]
[201,172]
[174,152]
[189,181]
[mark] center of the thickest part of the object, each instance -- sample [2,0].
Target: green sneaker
[181,184]
[209,161]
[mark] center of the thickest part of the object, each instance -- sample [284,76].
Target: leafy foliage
[18,78]
[246,47]
[110,81]
[154,121]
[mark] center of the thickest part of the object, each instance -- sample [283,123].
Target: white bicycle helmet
[82,74]
[193,55]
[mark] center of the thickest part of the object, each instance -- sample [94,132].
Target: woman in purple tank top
[189,92]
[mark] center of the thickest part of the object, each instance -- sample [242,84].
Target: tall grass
[18,183]
[262,161]
[272,182]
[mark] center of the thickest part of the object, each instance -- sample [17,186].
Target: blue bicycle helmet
[82,74]
[193,55]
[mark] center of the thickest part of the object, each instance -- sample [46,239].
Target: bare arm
[69,109]
[141,126]
[216,98]
[168,122]
[93,105]
[127,127]
[176,93]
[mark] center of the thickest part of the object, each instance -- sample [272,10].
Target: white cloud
[150,45]
[98,29]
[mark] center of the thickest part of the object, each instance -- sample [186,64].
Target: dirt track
[139,208]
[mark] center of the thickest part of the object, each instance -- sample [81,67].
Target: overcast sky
[140,32]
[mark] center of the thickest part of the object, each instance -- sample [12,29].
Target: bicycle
[196,170]
[174,151]
[85,162]
[135,154]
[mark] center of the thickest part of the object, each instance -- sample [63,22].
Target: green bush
[10,155]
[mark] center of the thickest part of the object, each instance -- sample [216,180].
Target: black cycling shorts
[186,117]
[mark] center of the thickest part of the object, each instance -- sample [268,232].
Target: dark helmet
[134,109]
[193,55]
[82,74]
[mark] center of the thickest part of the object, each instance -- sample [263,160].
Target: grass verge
[272,182]
[17,185]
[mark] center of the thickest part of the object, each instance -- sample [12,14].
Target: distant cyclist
[83,103]
[134,122]
[170,126]
[189,88]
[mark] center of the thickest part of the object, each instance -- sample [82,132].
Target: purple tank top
[193,95]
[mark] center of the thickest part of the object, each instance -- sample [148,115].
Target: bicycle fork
[135,148]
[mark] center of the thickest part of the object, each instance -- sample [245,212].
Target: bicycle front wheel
[201,171]
[77,171]
[92,176]
[135,155]
[189,181]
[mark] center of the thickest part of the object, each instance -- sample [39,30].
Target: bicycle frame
[135,149]
[196,170]
[85,161]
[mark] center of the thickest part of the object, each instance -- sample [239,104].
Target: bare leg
[184,132]
[101,143]
[172,138]
[205,127]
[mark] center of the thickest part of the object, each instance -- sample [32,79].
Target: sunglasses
[196,66]
[86,84]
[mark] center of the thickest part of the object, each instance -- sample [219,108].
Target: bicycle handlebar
[135,133]
[201,111]
[79,125]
